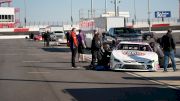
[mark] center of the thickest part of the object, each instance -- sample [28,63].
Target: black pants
[47,43]
[94,58]
[73,57]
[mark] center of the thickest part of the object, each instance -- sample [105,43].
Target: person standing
[157,48]
[68,34]
[152,38]
[81,46]
[95,49]
[48,38]
[104,38]
[45,38]
[169,48]
[73,46]
[31,36]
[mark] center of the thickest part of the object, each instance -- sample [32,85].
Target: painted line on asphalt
[31,61]
[38,72]
[9,54]
[151,80]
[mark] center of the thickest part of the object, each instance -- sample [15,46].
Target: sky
[60,10]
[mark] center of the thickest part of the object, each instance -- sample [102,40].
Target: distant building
[111,14]
[8,14]
[7,17]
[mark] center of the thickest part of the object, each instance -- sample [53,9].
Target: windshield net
[138,47]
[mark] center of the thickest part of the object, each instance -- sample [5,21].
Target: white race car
[134,56]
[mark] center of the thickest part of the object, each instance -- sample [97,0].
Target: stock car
[38,37]
[134,56]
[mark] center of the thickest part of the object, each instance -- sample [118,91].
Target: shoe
[175,70]
[165,71]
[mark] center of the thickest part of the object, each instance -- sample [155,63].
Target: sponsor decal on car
[132,53]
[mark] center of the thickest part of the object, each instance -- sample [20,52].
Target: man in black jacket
[95,49]
[169,48]
[47,38]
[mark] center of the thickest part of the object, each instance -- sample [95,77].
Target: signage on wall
[162,14]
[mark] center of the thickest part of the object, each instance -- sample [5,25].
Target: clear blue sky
[59,10]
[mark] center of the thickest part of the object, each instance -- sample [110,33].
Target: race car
[134,56]
[38,37]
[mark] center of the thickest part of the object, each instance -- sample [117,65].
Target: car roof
[130,42]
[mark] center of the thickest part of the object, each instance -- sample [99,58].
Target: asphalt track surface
[30,72]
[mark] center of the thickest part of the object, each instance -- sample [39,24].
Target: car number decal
[132,53]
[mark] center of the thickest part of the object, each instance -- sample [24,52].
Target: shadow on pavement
[125,94]
[57,49]
[75,82]
[55,68]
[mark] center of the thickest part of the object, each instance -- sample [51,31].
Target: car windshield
[58,32]
[138,47]
[124,30]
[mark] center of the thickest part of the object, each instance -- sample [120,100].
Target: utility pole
[105,6]
[25,15]
[134,11]
[92,9]
[115,7]
[79,15]
[149,16]
[71,15]
[179,10]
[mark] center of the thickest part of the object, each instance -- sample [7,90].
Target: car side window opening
[111,32]
[130,30]
[124,30]
[119,31]
[134,47]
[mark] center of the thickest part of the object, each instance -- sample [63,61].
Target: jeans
[94,58]
[166,59]
[47,42]
[73,58]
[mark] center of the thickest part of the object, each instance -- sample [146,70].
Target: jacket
[168,42]
[96,45]
[73,40]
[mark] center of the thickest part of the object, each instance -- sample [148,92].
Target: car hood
[134,55]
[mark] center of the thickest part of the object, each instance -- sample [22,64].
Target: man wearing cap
[169,48]
[73,46]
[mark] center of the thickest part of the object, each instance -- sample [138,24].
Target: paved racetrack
[30,72]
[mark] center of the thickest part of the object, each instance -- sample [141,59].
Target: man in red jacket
[73,46]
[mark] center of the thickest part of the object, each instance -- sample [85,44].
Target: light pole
[134,11]
[179,10]
[149,16]
[25,15]
[71,15]
[105,6]
[115,5]
[92,9]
